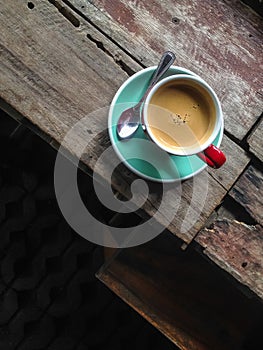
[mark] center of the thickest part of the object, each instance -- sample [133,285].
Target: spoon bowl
[130,119]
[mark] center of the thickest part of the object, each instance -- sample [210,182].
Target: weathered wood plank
[248,191]
[255,141]
[182,295]
[217,39]
[236,248]
[198,196]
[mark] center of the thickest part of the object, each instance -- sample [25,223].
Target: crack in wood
[99,29]
[117,59]
[66,13]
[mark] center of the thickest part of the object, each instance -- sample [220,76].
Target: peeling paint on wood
[220,40]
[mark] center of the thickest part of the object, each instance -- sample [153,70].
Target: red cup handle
[213,156]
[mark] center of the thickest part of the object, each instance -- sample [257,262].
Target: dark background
[49,295]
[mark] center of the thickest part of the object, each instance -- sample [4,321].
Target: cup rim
[218,108]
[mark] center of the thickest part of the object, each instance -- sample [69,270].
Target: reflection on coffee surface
[181,114]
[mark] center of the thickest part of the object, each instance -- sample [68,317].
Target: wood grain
[248,191]
[236,248]
[255,141]
[219,40]
[183,296]
[43,56]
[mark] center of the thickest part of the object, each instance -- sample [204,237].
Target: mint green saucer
[140,154]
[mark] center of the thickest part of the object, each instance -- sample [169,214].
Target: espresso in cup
[183,116]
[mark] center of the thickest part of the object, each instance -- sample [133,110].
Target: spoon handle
[165,62]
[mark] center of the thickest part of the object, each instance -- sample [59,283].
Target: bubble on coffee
[178,119]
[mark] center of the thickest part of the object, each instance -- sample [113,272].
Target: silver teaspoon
[129,120]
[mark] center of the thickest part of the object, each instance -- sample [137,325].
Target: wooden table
[63,59]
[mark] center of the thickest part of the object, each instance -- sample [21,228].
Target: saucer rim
[110,117]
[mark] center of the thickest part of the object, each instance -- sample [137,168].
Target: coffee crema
[181,114]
